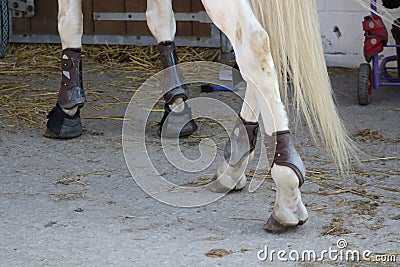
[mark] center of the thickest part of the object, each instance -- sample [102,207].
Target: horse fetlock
[285,178]
[289,209]
[71,93]
[177,105]
[71,111]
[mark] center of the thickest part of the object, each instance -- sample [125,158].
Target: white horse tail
[298,55]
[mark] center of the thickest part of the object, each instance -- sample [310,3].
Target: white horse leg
[70,29]
[177,119]
[64,119]
[70,23]
[252,47]
[161,20]
[162,24]
[233,176]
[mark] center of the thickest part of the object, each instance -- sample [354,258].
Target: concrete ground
[74,203]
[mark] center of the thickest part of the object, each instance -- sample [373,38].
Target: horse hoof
[174,124]
[216,187]
[61,125]
[275,227]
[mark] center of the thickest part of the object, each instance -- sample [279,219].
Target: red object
[376,36]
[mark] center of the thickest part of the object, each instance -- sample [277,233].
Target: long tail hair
[297,51]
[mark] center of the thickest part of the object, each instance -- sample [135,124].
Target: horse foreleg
[239,149]
[177,119]
[64,119]
[252,47]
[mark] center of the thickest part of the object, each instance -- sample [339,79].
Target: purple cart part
[381,70]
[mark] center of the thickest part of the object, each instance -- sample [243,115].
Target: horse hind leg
[252,47]
[239,149]
[177,119]
[64,119]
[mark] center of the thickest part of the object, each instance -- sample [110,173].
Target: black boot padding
[62,126]
[177,124]
[391,4]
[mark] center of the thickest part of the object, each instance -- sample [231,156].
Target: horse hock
[175,122]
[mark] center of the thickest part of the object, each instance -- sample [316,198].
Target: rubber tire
[364,84]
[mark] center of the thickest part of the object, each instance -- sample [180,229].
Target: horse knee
[161,20]
[70,23]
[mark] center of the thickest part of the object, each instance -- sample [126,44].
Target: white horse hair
[277,45]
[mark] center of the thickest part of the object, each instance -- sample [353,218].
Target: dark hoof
[174,124]
[62,126]
[275,227]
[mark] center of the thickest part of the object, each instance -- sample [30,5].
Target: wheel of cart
[3,27]
[364,84]
[378,72]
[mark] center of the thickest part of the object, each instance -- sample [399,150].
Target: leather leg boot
[71,95]
[174,124]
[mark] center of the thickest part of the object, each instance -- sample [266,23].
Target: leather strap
[241,142]
[71,92]
[172,74]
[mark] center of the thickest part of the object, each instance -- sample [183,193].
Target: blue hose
[4,28]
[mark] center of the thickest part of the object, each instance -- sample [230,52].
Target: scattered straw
[380,159]
[218,253]
[388,189]
[367,134]
[77,179]
[25,100]
[117,118]
[336,228]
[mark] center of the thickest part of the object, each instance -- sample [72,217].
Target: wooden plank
[200,29]
[21,25]
[183,28]
[136,28]
[135,6]
[109,27]
[45,19]
[88,23]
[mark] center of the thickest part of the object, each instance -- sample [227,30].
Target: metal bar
[22,8]
[374,8]
[116,40]
[377,71]
[391,84]
[201,16]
